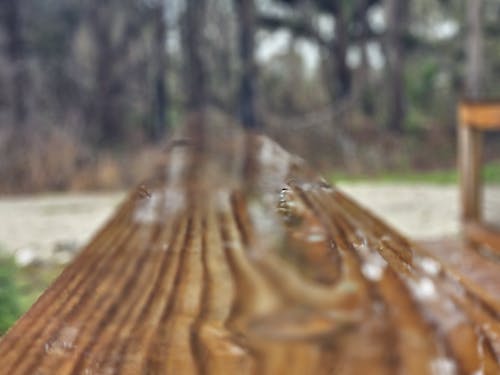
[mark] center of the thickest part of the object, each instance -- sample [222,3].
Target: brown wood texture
[201,273]
[480,115]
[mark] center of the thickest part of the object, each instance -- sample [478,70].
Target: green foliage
[420,82]
[20,287]
[10,306]
[491,173]
[33,280]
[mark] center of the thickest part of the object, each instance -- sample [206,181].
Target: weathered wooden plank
[265,269]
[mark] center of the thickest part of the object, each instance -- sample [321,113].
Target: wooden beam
[480,115]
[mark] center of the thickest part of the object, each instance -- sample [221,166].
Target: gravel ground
[55,226]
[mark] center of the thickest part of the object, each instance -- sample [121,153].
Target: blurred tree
[15,52]
[474,49]
[222,55]
[248,82]
[287,70]
[349,28]
[106,107]
[116,28]
[338,47]
[397,19]
[195,66]
[103,69]
[161,102]
[363,93]
[50,38]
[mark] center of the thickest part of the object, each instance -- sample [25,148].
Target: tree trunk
[106,109]
[160,63]
[195,74]
[397,15]
[474,49]
[338,51]
[247,92]
[15,51]
[338,75]
[361,84]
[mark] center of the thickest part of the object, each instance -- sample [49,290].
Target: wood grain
[258,269]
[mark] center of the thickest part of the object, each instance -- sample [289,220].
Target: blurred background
[365,90]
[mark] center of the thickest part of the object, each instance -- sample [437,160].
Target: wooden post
[469,165]
[475,118]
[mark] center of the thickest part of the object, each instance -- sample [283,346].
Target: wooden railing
[474,119]
[254,265]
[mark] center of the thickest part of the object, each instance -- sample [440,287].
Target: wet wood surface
[475,264]
[255,265]
[483,234]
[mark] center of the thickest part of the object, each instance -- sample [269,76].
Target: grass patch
[490,173]
[33,280]
[20,287]
[10,294]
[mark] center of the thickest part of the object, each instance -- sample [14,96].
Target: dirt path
[54,226]
[420,211]
[40,225]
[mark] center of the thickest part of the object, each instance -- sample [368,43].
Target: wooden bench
[254,265]
[474,119]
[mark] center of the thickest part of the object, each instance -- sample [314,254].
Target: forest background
[91,90]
